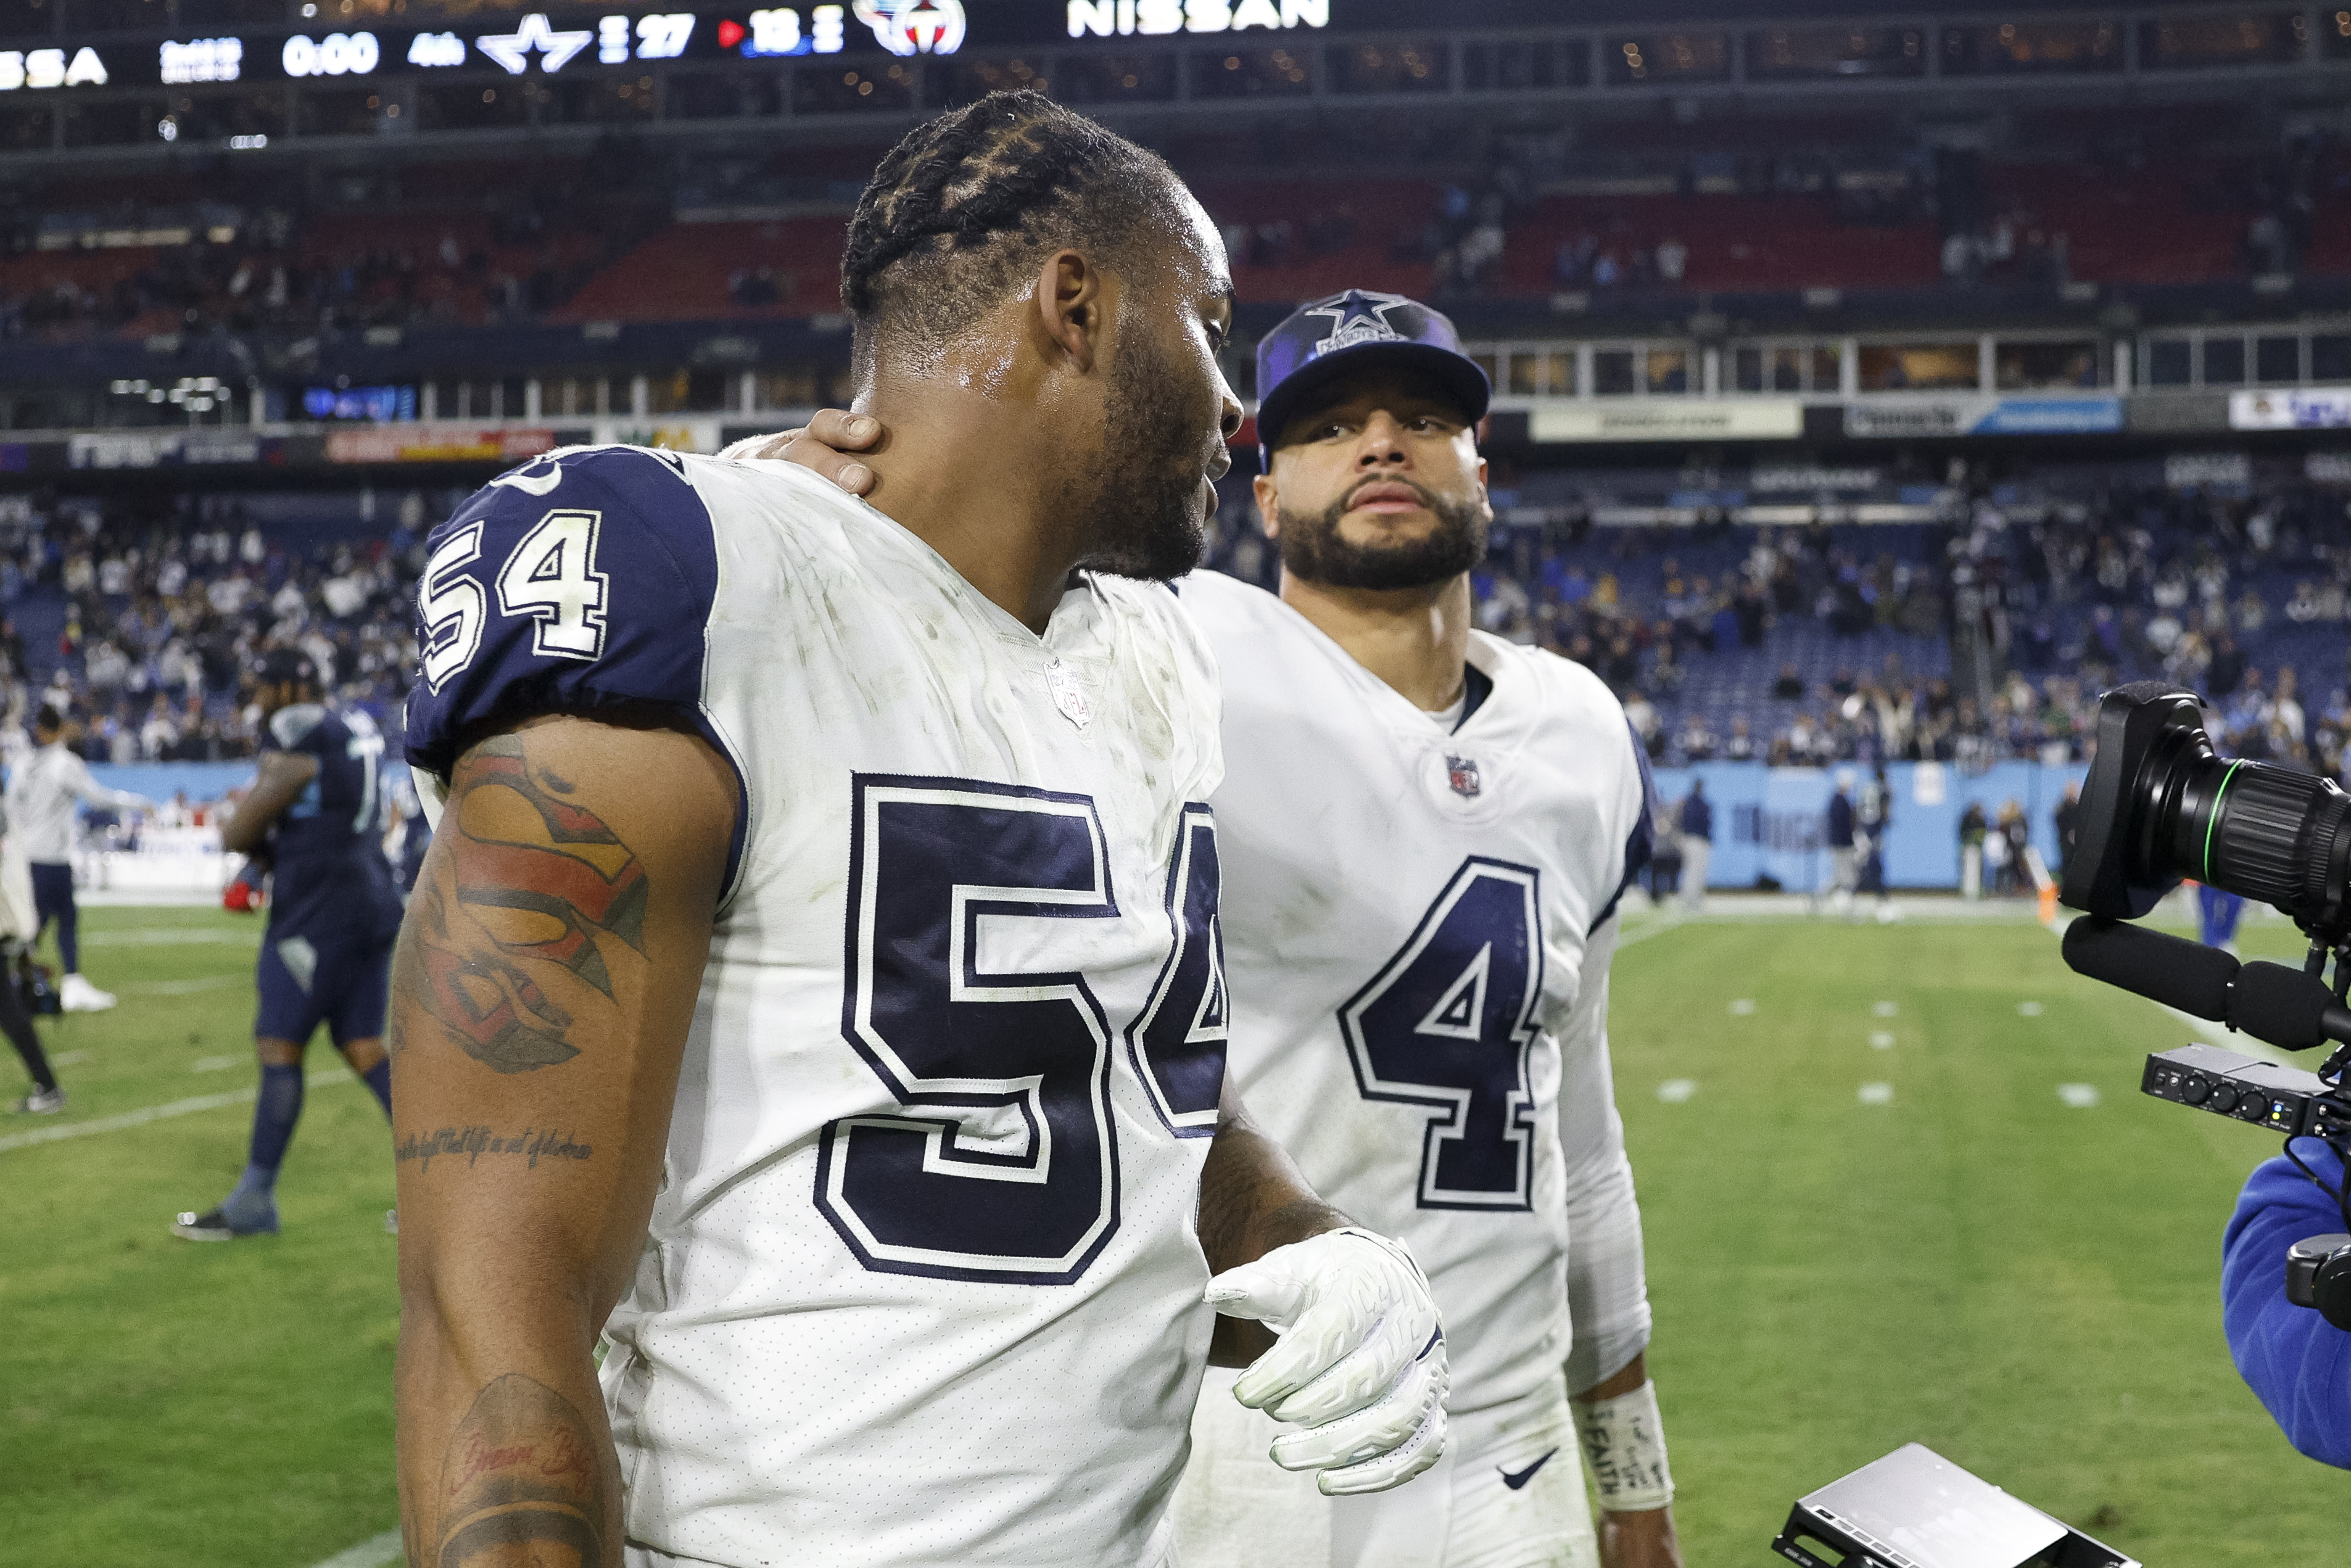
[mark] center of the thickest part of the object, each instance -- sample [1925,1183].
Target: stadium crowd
[274,274]
[1825,644]
[1790,645]
[142,628]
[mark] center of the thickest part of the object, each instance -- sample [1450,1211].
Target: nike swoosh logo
[1515,1481]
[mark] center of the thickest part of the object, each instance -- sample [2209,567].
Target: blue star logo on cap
[1354,334]
[1357,317]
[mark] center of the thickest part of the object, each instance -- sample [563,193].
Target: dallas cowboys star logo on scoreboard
[513,50]
[1358,317]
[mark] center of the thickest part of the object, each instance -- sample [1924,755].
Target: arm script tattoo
[537,878]
[470,1144]
[526,1481]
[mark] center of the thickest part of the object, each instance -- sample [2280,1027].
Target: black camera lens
[2160,804]
[2267,832]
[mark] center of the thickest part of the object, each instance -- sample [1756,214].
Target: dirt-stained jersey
[922,1285]
[1417,926]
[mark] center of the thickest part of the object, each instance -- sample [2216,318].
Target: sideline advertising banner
[155,449]
[677,432]
[2329,410]
[1772,822]
[1665,418]
[1902,417]
[438,444]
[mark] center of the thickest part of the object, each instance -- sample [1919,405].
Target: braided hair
[962,211]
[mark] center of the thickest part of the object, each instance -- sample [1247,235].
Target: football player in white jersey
[1426,833]
[813,987]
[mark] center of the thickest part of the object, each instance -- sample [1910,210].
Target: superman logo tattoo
[496,1012]
[538,878]
[538,873]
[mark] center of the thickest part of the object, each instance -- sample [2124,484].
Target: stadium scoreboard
[421,39]
[551,42]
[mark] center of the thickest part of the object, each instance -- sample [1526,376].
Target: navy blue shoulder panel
[579,580]
[1477,685]
[1642,842]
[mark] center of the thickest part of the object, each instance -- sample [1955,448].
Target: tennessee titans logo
[1358,317]
[914,27]
[1461,772]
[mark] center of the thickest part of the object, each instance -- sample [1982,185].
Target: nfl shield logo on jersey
[1461,772]
[1068,695]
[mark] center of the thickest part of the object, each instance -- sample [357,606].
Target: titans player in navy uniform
[315,815]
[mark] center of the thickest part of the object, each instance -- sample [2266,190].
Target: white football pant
[1235,1508]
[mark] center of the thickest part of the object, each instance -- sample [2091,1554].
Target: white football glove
[1361,1364]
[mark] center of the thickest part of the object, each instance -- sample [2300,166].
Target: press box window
[1921,366]
[2224,361]
[2277,362]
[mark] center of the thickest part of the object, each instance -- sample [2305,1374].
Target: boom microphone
[2178,973]
[2285,1007]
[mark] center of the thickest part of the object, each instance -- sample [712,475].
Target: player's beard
[1142,496]
[1313,548]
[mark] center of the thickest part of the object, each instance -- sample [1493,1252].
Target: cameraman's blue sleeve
[2298,1363]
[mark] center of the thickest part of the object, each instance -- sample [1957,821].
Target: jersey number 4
[1447,1023]
[965,995]
[551,576]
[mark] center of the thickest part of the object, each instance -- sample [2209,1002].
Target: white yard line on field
[148,898]
[147,1114]
[374,1552]
[1657,926]
[186,987]
[2203,1031]
[170,936]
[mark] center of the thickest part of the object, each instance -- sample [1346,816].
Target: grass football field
[1898,1184]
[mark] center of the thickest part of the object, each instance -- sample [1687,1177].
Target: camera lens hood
[2114,870]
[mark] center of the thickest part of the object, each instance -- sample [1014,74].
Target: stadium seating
[1835,609]
[1859,608]
[1755,207]
[701,271]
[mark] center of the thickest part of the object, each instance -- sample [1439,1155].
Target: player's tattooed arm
[538,878]
[1252,1200]
[526,1479]
[546,976]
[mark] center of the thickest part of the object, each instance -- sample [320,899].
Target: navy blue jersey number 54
[963,997]
[1447,1023]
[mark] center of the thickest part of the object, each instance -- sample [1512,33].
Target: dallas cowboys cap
[1357,332]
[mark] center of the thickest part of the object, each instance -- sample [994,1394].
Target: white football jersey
[922,1285]
[1417,929]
